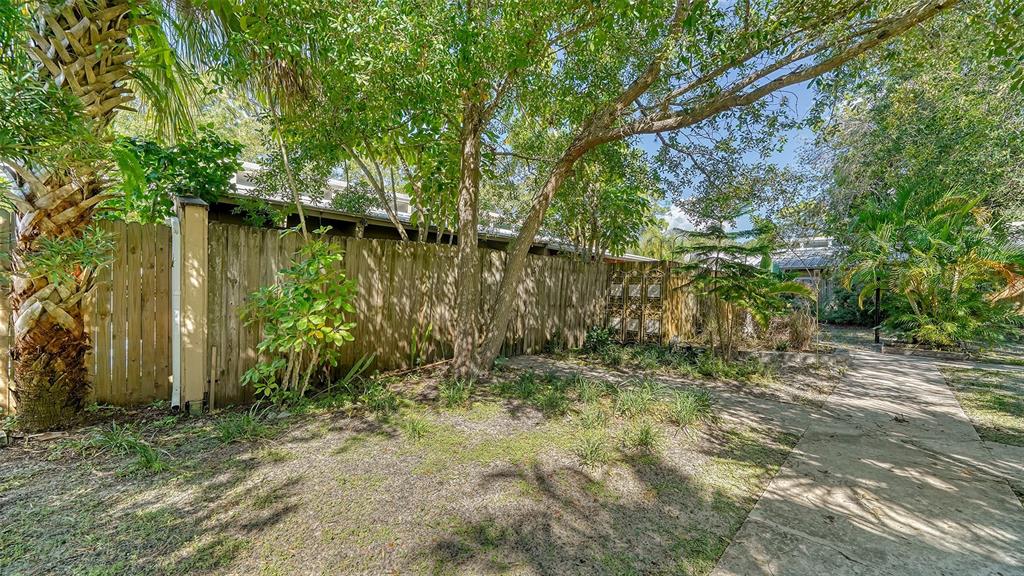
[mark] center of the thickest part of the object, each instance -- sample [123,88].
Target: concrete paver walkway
[893,480]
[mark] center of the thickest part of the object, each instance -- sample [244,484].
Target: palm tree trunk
[81,47]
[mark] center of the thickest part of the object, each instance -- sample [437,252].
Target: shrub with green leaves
[304,321]
[151,175]
[598,339]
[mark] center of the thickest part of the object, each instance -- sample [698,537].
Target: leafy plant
[942,259]
[61,259]
[718,263]
[303,320]
[597,339]
[454,392]
[151,175]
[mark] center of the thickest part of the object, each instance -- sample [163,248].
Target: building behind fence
[405,306]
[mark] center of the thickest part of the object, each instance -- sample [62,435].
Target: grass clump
[588,391]
[242,426]
[124,441]
[642,436]
[454,392]
[379,398]
[637,400]
[688,407]
[592,449]
[592,417]
[414,427]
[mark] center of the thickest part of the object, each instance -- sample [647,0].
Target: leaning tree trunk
[82,48]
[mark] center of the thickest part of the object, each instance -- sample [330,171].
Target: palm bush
[942,260]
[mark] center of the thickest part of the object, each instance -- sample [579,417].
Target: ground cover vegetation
[541,470]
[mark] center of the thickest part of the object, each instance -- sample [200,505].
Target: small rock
[900,418]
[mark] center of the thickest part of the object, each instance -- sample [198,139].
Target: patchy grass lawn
[994,401]
[528,474]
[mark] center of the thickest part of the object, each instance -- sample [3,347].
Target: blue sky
[801,99]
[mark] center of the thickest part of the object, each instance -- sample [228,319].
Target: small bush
[597,339]
[454,392]
[592,449]
[642,436]
[241,426]
[689,407]
[379,398]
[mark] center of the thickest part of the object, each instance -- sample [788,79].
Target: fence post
[194,265]
[6,382]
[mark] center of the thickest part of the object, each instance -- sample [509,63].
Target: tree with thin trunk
[708,59]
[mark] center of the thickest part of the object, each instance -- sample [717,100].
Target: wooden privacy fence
[405,302]
[405,307]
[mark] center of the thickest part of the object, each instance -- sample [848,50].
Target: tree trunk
[467,328]
[50,341]
[515,263]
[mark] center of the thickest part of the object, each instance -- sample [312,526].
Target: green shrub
[592,449]
[689,407]
[597,339]
[454,392]
[303,317]
[642,436]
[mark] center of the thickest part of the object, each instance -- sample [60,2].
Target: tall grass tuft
[689,407]
[454,392]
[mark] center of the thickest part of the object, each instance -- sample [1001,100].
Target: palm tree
[100,56]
